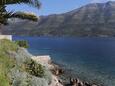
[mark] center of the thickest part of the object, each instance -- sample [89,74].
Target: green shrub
[34,68]
[22,43]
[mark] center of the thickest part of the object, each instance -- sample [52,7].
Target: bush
[34,68]
[22,43]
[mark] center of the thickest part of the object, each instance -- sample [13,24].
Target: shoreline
[58,73]
[46,61]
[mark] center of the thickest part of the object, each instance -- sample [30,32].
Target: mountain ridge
[95,19]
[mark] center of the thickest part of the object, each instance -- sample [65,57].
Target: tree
[5,15]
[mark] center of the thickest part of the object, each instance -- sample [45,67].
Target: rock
[93,85]
[80,84]
[60,81]
[47,62]
[57,71]
[86,84]
[71,81]
[61,71]
[55,81]
[75,82]
[44,59]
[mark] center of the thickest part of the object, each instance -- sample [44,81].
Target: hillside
[17,68]
[91,20]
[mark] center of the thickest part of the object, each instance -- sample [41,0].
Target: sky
[54,6]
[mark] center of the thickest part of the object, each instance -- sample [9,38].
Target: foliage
[4,15]
[34,68]
[22,43]
[7,45]
[6,63]
[24,15]
[28,73]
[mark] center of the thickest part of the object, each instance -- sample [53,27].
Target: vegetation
[22,43]
[6,63]
[13,59]
[29,73]
[34,68]
[4,14]
[25,15]
[7,45]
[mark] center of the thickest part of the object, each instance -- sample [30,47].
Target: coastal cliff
[20,68]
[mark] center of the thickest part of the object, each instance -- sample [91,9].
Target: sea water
[91,59]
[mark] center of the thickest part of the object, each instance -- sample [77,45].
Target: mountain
[97,19]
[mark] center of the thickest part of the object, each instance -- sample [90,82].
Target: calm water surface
[92,59]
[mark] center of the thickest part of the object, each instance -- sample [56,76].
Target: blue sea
[91,59]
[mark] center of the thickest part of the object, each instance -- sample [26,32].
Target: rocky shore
[53,72]
[20,68]
[47,62]
[57,72]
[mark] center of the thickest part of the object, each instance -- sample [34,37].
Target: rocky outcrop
[46,61]
[77,82]
[20,77]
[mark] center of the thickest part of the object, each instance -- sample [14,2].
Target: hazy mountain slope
[96,19]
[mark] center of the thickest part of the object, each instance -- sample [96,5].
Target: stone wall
[9,37]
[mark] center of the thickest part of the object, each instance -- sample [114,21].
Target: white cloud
[93,1]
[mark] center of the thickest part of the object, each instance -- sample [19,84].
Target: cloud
[93,1]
